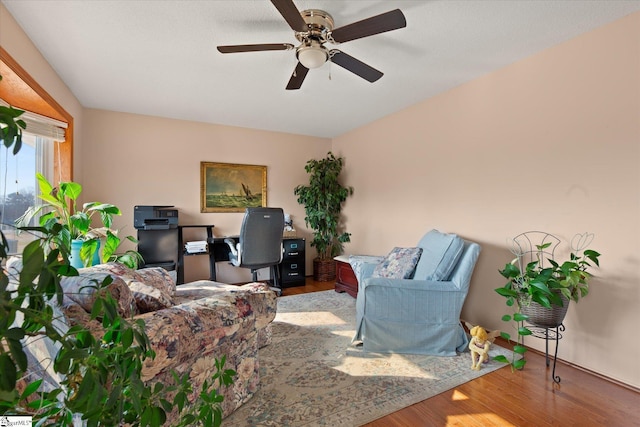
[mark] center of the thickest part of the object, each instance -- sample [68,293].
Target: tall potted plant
[323,198]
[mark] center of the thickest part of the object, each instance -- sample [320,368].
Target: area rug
[311,375]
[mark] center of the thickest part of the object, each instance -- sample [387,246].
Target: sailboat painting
[229,187]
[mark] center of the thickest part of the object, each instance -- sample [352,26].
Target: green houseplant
[323,198]
[11,126]
[102,375]
[76,232]
[539,288]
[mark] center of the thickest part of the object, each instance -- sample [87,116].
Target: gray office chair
[260,242]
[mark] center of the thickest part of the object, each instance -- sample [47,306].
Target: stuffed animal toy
[479,345]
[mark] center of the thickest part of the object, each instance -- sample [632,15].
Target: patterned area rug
[312,376]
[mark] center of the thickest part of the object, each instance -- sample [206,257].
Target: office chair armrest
[236,251]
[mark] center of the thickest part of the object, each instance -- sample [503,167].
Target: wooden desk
[182,253]
[292,268]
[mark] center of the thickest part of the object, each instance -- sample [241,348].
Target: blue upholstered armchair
[420,315]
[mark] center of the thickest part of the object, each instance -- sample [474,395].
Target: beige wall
[20,47]
[154,161]
[549,143]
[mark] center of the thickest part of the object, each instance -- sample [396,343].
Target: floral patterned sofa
[188,326]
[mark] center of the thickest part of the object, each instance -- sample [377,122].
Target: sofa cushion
[82,290]
[159,278]
[115,269]
[440,254]
[148,298]
[152,288]
[400,263]
[261,299]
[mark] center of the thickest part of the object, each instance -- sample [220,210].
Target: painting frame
[231,187]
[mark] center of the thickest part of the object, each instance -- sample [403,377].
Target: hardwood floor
[522,398]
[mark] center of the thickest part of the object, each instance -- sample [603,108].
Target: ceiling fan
[313,28]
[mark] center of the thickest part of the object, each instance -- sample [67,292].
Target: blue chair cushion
[400,263]
[440,254]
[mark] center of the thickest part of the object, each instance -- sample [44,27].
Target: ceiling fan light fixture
[313,56]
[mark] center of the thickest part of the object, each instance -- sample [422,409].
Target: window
[45,118]
[18,186]
[19,89]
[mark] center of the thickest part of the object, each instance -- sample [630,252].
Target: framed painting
[228,187]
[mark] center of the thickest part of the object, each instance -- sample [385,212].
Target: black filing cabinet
[292,267]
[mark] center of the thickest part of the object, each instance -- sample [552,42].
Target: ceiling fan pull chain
[332,53]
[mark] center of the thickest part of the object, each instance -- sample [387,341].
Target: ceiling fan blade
[291,14]
[350,63]
[297,77]
[367,27]
[254,47]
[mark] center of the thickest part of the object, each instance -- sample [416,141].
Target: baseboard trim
[504,343]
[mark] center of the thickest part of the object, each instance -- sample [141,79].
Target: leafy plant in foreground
[101,375]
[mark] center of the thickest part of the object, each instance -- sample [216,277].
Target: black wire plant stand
[549,334]
[543,323]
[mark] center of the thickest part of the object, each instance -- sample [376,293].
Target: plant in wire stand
[539,288]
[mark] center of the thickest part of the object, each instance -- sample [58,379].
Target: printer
[149,217]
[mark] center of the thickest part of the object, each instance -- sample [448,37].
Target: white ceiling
[159,57]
